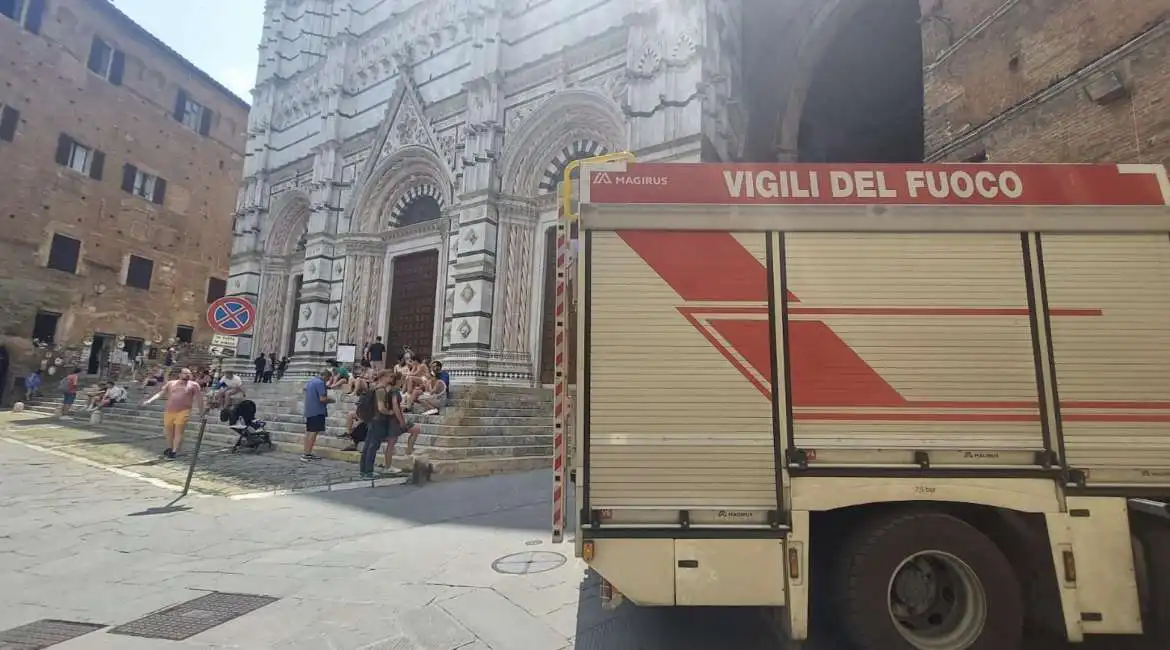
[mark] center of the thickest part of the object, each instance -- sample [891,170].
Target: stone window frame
[53,256]
[212,296]
[133,275]
[184,333]
[40,327]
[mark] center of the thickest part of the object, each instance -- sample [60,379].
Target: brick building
[1048,80]
[120,167]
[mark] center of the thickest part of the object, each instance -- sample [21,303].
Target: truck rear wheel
[928,581]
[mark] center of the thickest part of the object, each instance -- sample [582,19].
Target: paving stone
[434,629]
[501,623]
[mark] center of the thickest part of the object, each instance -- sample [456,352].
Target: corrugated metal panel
[912,342]
[1113,368]
[673,424]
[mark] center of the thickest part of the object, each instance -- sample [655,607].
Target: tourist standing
[376,354]
[316,410]
[32,384]
[181,394]
[258,363]
[281,368]
[270,368]
[68,387]
[373,409]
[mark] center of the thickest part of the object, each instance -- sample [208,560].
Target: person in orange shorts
[181,394]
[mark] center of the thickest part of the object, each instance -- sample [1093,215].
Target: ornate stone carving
[273,293]
[419,31]
[467,294]
[331,342]
[306,312]
[514,117]
[517,237]
[304,340]
[363,297]
[464,329]
[334,312]
[471,238]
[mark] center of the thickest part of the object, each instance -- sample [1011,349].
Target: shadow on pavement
[513,501]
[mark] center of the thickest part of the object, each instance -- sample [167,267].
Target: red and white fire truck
[936,395]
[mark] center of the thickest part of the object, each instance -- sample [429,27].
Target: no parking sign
[231,315]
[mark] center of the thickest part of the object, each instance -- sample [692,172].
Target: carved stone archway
[289,219]
[402,173]
[405,211]
[282,256]
[568,117]
[578,150]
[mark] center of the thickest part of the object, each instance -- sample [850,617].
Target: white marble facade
[364,108]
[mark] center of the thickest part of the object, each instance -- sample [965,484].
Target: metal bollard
[195,453]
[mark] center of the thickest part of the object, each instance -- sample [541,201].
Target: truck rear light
[1070,566]
[587,551]
[793,563]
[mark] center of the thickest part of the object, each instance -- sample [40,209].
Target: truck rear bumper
[688,571]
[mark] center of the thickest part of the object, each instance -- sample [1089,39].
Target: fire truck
[936,397]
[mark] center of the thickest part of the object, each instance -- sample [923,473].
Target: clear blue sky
[219,36]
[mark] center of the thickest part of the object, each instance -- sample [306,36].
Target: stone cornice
[361,244]
[434,226]
[516,209]
[275,266]
[244,258]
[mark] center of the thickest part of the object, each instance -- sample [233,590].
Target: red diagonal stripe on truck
[827,370]
[727,271]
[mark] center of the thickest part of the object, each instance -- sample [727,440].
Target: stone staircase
[484,430]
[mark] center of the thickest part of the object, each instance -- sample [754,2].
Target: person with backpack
[373,409]
[357,425]
[68,388]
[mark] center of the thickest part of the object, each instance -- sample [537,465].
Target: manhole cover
[528,562]
[187,619]
[44,633]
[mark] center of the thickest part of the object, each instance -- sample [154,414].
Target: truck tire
[927,581]
[1154,540]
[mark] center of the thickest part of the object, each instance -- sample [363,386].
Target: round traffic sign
[231,315]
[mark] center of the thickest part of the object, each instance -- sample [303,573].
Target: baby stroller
[241,418]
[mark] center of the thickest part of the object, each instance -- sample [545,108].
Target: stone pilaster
[473,248]
[365,259]
[319,315]
[516,263]
[270,324]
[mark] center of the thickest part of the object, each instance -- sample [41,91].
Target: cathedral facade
[404,159]
[403,156]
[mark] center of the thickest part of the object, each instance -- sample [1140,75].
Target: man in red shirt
[181,394]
